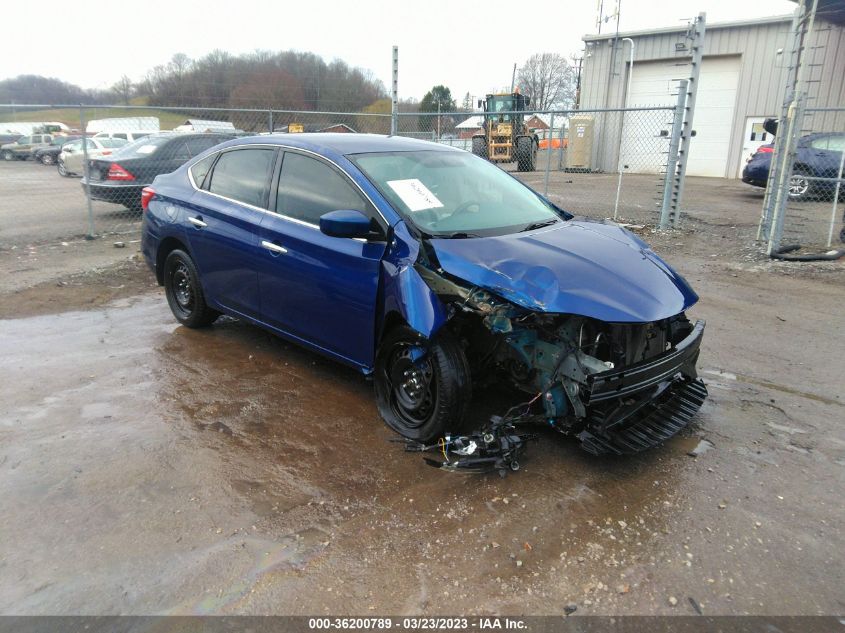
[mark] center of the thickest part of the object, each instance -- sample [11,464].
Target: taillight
[116,172]
[147,194]
[766,150]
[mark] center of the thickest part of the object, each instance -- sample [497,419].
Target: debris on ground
[702,447]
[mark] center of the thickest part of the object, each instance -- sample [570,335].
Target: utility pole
[513,78]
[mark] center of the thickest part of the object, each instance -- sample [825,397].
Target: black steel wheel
[423,388]
[184,292]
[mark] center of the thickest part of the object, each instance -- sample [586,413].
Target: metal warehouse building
[742,81]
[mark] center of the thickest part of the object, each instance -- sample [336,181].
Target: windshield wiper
[539,225]
[459,235]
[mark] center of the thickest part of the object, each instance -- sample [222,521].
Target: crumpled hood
[580,267]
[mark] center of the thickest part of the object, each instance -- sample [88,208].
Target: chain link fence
[813,188]
[72,171]
[598,163]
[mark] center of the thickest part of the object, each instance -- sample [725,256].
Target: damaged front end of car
[618,387]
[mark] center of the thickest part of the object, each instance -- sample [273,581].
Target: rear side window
[243,175]
[200,169]
[308,188]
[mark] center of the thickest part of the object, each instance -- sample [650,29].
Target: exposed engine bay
[617,387]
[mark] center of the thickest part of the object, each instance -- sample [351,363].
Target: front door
[755,136]
[320,289]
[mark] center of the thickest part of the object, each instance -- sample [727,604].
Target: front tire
[479,146]
[525,153]
[62,169]
[47,159]
[8,155]
[423,387]
[184,292]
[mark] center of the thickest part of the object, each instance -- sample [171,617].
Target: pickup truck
[25,146]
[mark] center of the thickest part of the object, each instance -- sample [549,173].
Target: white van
[127,136]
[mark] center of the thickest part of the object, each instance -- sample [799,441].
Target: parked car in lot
[48,155]
[70,161]
[817,156]
[121,177]
[431,270]
[25,146]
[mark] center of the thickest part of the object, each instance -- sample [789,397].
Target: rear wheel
[479,146]
[800,187]
[423,387]
[8,155]
[184,292]
[47,159]
[525,153]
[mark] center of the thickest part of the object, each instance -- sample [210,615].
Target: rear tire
[184,291]
[47,159]
[800,189]
[479,146]
[422,397]
[8,155]
[525,153]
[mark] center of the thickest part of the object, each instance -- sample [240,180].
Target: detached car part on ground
[433,271]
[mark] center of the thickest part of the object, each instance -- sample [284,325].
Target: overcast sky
[93,43]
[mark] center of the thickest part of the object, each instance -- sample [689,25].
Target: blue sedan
[431,270]
[818,158]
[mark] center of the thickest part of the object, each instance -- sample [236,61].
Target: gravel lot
[148,468]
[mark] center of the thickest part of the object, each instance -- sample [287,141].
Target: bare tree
[123,89]
[549,80]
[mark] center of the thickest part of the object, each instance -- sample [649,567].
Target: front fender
[404,292]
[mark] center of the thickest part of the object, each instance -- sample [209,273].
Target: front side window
[309,188]
[243,175]
[452,194]
[24,140]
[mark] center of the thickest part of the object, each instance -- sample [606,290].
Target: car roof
[345,144]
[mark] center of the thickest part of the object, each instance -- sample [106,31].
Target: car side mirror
[345,223]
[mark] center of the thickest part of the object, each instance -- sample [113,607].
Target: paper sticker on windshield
[146,149]
[414,194]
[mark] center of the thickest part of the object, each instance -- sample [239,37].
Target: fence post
[394,96]
[672,157]
[548,157]
[560,150]
[86,173]
[836,193]
[270,120]
[698,29]
[786,159]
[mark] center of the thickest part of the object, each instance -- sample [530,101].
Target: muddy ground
[148,468]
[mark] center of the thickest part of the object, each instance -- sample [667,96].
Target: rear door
[223,222]
[320,289]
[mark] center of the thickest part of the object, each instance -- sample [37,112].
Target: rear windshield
[113,142]
[144,147]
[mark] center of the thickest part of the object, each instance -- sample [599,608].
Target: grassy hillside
[70,117]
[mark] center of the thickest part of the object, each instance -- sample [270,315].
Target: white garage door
[653,84]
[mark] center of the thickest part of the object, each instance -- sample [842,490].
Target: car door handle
[197,222]
[273,248]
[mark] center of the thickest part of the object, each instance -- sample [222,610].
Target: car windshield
[455,194]
[142,147]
